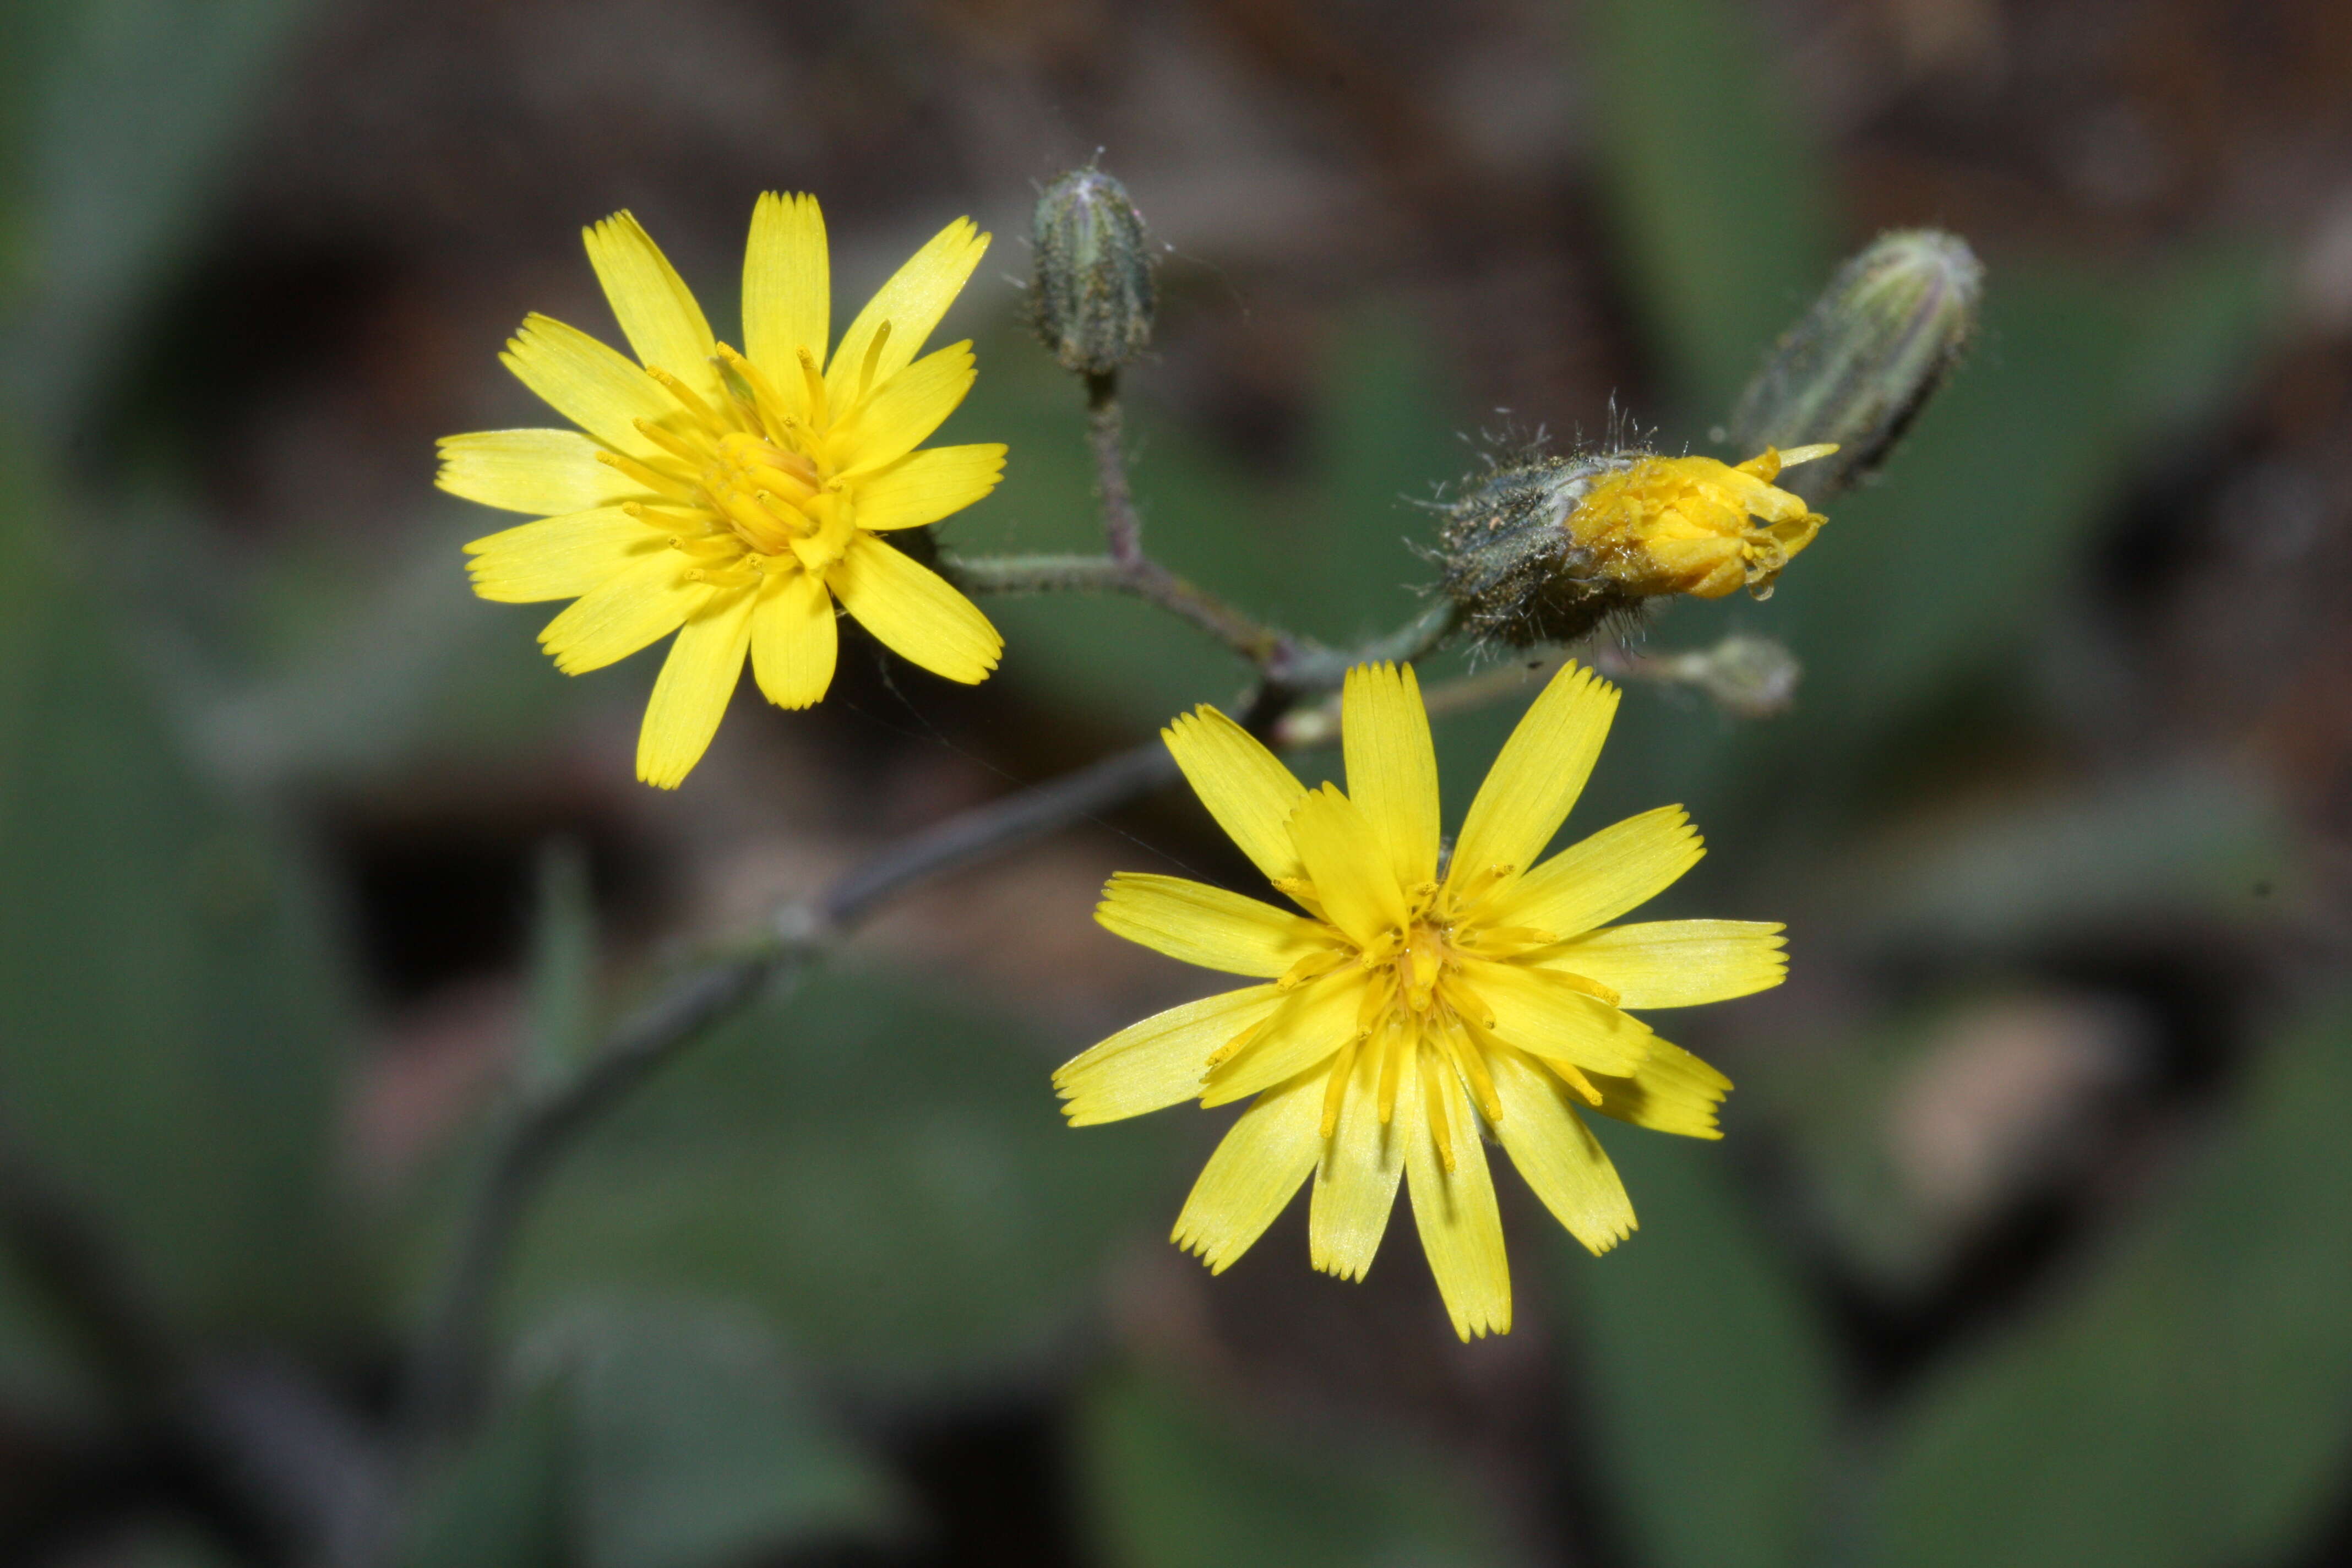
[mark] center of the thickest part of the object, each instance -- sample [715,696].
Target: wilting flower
[734,497]
[1549,549]
[1422,1003]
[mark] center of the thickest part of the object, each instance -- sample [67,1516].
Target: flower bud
[1545,549]
[1092,296]
[1864,361]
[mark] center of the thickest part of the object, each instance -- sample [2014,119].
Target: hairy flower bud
[1865,358]
[1093,295]
[1547,550]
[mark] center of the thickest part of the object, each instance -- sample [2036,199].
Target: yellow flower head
[734,497]
[1420,1004]
[1550,549]
[1681,525]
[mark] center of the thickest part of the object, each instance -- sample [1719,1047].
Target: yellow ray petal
[1557,1153]
[545,472]
[1454,1210]
[1593,881]
[902,415]
[593,386]
[1673,1091]
[696,683]
[1205,925]
[1312,1025]
[1392,766]
[1677,964]
[1363,1161]
[794,642]
[915,612]
[561,557]
[1252,1175]
[1244,786]
[657,310]
[1542,1016]
[1538,776]
[1349,863]
[624,613]
[787,292]
[924,487]
[1153,1064]
[912,302]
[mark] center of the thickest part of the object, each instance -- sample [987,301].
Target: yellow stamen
[689,400]
[672,485]
[873,360]
[1424,961]
[1478,884]
[813,379]
[1471,1006]
[763,391]
[1393,1049]
[1575,1080]
[1378,993]
[1235,1046]
[763,531]
[1311,966]
[1335,1092]
[672,442]
[1433,1096]
[1512,937]
[1473,1062]
[1593,988]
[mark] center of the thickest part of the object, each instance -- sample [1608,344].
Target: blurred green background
[2031,1241]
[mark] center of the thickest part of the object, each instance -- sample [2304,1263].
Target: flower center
[761,490]
[748,485]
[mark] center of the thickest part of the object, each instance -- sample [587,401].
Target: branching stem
[444,1383]
[1142,578]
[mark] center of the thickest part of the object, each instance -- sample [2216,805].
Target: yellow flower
[733,498]
[1421,1002]
[1679,525]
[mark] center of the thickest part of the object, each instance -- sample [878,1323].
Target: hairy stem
[444,1377]
[1122,526]
[445,1374]
[1142,578]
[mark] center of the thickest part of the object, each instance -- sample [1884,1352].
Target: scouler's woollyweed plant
[1414,998]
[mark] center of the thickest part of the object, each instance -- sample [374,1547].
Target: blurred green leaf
[1720,207]
[694,1444]
[497,1501]
[2044,867]
[134,106]
[1711,1377]
[173,1008]
[648,1432]
[342,673]
[1386,439]
[1173,1482]
[161,1544]
[1983,513]
[2187,1400]
[879,1166]
[563,968]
